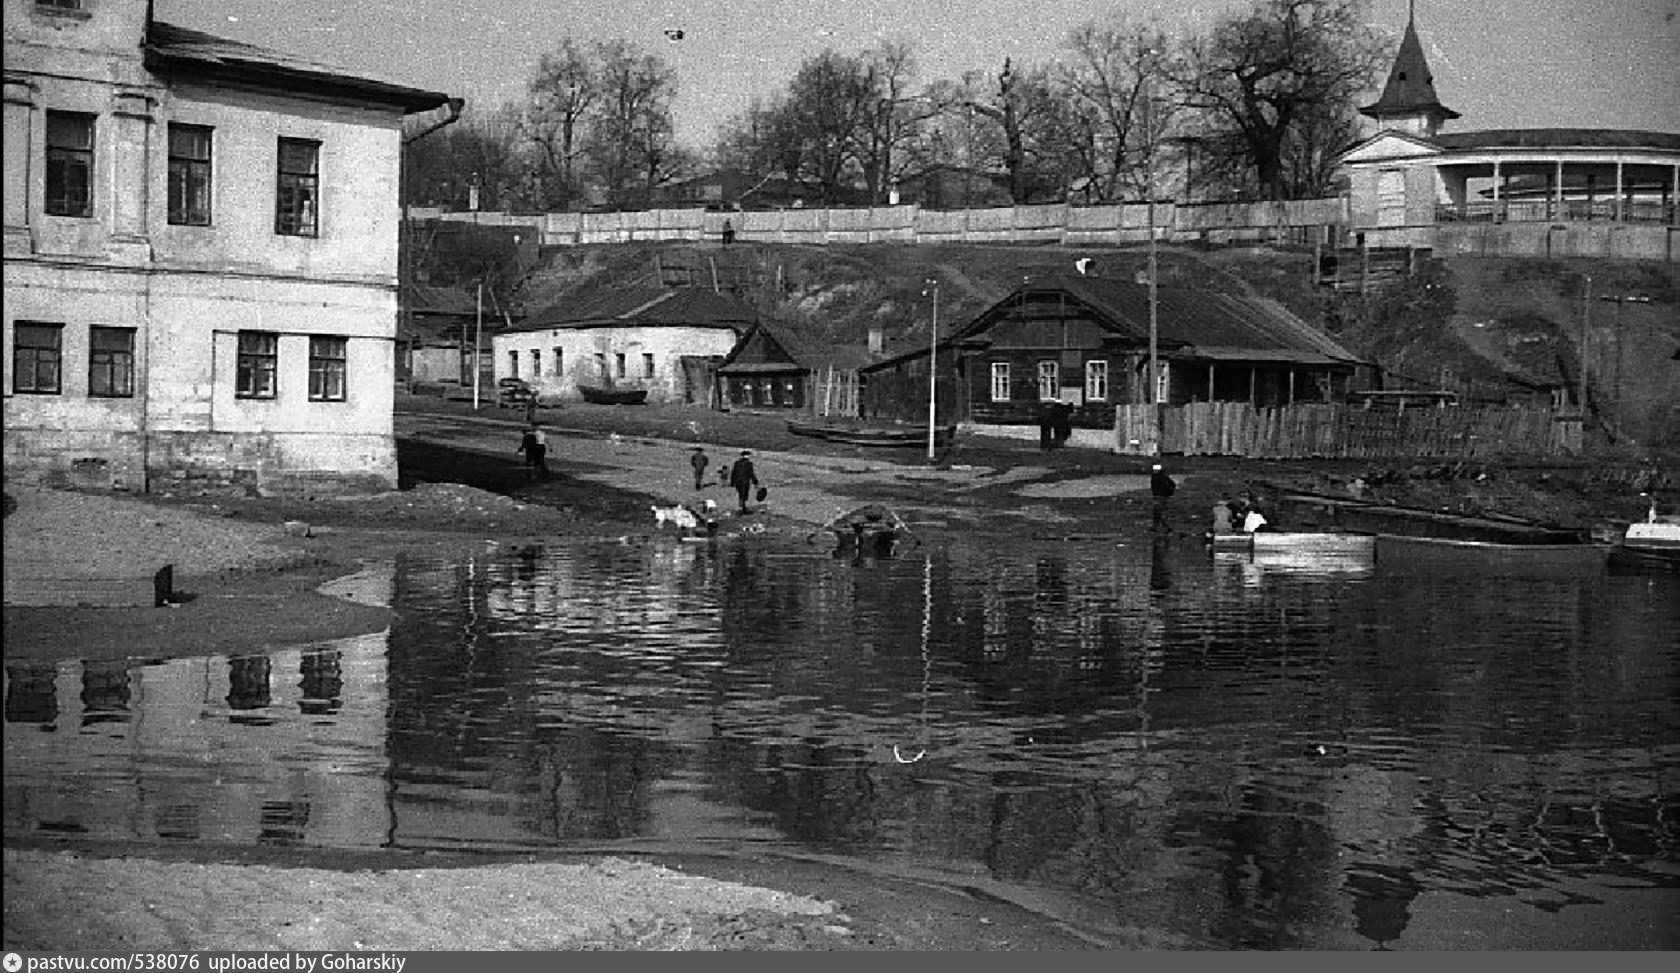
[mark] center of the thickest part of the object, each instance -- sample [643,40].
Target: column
[1498,216]
[1557,193]
[1617,216]
[19,119]
[131,118]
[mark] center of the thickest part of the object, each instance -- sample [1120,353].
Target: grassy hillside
[1463,320]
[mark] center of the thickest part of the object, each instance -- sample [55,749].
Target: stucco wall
[188,290]
[579,364]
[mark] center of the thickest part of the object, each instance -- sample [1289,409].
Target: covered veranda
[1559,175]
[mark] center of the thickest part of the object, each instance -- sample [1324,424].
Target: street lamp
[933,370]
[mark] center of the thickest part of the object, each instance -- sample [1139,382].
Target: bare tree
[1260,77]
[823,124]
[632,140]
[1029,116]
[565,89]
[1119,110]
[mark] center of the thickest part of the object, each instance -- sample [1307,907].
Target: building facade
[200,258]
[1548,192]
[646,337]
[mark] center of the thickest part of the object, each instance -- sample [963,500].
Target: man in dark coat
[698,459]
[1161,487]
[743,478]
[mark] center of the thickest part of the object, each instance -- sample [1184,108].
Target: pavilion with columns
[1544,191]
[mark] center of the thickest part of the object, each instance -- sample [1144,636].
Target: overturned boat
[872,530]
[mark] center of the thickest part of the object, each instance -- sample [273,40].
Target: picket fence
[1320,430]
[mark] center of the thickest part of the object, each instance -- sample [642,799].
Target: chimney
[876,340]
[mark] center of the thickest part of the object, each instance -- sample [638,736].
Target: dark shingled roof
[1552,138]
[1410,86]
[642,306]
[176,48]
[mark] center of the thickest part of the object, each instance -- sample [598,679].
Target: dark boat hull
[602,396]
[871,435]
[1429,555]
[1307,511]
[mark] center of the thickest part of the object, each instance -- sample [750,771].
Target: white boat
[1336,543]
[1651,545]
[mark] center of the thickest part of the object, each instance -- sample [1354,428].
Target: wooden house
[760,372]
[1084,341]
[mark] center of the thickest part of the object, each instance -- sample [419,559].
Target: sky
[1500,63]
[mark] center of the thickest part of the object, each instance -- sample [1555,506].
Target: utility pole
[1586,311]
[933,369]
[1154,324]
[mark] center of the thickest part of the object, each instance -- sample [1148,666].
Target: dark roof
[176,48]
[428,299]
[643,306]
[763,350]
[1551,138]
[1410,86]
[1202,323]
[1192,324]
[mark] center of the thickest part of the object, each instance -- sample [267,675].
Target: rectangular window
[69,164]
[647,364]
[327,369]
[620,372]
[111,363]
[601,364]
[35,357]
[559,362]
[536,362]
[259,356]
[1000,381]
[1096,381]
[189,175]
[1049,380]
[298,193]
[513,364]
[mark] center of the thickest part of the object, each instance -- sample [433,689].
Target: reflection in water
[1247,753]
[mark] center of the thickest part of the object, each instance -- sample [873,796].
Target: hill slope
[1468,321]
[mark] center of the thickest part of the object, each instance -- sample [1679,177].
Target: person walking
[699,460]
[1161,487]
[743,478]
[534,444]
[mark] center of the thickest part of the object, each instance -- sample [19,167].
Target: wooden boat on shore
[1405,553]
[862,435]
[602,395]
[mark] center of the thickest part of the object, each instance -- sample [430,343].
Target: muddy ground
[249,568]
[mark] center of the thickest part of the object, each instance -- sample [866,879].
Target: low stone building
[200,257]
[661,339]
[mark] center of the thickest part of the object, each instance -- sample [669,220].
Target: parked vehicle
[514,392]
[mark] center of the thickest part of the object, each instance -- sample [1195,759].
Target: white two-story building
[200,257]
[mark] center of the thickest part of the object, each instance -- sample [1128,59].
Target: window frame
[255,363]
[1096,380]
[620,364]
[559,361]
[60,203]
[513,363]
[1000,381]
[189,173]
[536,363]
[1049,379]
[327,370]
[110,370]
[38,357]
[647,365]
[297,194]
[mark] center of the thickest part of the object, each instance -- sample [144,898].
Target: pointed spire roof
[1411,87]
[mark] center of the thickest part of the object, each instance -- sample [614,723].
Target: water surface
[1279,755]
